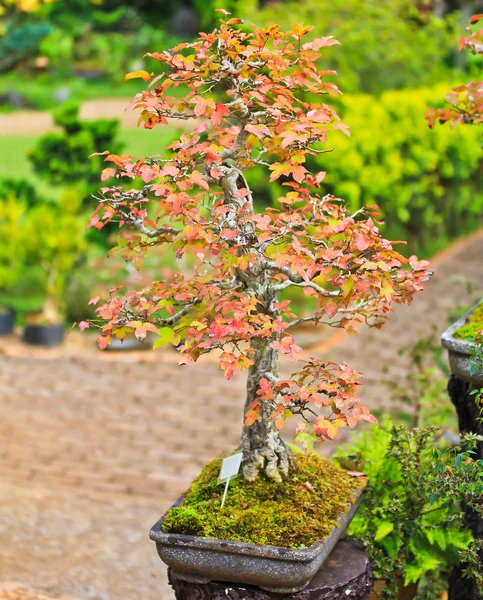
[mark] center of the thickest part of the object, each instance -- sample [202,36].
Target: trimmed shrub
[427,182]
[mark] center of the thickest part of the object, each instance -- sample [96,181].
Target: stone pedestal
[346,574]
[460,588]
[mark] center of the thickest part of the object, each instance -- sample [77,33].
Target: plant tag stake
[229,469]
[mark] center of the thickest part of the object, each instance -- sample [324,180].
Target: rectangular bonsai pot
[460,360]
[282,570]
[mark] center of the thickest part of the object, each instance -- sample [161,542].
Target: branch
[304,284]
[285,270]
[177,316]
[351,309]
[139,225]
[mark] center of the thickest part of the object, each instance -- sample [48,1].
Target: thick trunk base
[264,452]
[263,448]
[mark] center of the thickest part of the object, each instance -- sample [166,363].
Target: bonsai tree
[255,97]
[466,100]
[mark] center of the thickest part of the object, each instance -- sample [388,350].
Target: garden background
[82,438]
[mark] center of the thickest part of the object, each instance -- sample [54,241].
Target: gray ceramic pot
[274,569]
[459,357]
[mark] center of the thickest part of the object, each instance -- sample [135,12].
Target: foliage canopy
[257,99]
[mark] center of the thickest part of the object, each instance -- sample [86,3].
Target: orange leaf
[138,75]
[251,417]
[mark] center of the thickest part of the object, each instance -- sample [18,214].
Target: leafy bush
[427,183]
[54,244]
[18,42]
[61,158]
[410,520]
[12,248]
[385,45]
[20,189]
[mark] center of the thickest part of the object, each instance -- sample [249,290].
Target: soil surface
[96,446]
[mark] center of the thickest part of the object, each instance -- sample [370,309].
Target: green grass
[14,161]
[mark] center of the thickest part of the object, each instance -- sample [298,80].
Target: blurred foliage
[385,45]
[420,397]
[12,234]
[20,190]
[428,183]
[62,158]
[19,41]
[54,245]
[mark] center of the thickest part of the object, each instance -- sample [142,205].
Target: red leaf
[344,128]
[361,241]
[107,173]
[220,111]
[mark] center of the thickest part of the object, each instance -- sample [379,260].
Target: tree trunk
[262,446]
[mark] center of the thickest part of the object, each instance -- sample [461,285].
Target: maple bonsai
[255,97]
[466,100]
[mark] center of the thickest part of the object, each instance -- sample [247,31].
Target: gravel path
[39,122]
[96,446]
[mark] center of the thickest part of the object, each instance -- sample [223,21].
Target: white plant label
[229,469]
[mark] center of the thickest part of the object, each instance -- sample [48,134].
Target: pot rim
[453,344]
[260,551]
[45,325]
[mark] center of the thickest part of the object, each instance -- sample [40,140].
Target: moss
[292,514]
[473,326]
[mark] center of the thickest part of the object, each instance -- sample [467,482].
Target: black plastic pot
[7,322]
[44,335]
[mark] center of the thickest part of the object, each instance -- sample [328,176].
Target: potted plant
[460,339]
[55,235]
[12,252]
[256,99]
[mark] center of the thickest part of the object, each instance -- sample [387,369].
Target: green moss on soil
[473,326]
[293,514]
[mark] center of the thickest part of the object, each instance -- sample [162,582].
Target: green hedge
[427,182]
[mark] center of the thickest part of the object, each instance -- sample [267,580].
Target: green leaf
[440,538]
[165,336]
[391,545]
[383,529]
[412,574]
